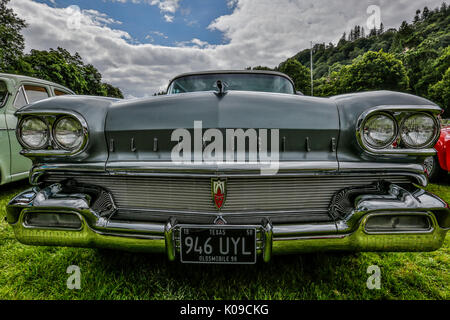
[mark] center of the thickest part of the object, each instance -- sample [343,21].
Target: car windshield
[232,81]
[3,93]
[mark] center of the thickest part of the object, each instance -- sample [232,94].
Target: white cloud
[150,37]
[258,32]
[166,5]
[168,18]
[99,17]
[159,34]
[194,43]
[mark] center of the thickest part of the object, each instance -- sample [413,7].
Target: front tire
[433,169]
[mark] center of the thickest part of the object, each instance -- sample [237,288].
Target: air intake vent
[398,223]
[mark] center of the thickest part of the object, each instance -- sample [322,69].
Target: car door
[28,93]
[5,159]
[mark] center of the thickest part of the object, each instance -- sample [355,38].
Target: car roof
[268,72]
[22,78]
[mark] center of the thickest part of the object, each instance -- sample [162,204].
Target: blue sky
[146,23]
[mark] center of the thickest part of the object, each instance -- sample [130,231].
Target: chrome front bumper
[347,233]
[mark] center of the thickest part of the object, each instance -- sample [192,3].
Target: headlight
[33,133]
[379,131]
[68,133]
[419,130]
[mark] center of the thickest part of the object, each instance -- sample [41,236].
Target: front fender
[352,106]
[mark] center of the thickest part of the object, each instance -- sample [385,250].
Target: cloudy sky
[138,45]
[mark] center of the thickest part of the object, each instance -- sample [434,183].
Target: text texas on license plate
[218,245]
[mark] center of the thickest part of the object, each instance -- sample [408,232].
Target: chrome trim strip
[286,231]
[126,235]
[268,241]
[292,169]
[415,171]
[169,238]
[125,226]
[168,168]
[17,95]
[136,167]
[391,110]
[346,166]
[79,169]
[215,213]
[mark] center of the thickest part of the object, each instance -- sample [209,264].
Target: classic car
[15,92]
[438,166]
[189,174]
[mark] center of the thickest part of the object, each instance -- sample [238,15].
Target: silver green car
[16,92]
[190,174]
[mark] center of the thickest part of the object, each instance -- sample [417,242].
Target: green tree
[262,68]
[299,74]
[431,72]
[417,45]
[56,65]
[11,40]
[111,91]
[418,61]
[440,93]
[62,67]
[373,71]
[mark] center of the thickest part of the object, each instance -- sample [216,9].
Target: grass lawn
[40,273]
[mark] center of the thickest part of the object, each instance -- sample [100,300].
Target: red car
[439,165]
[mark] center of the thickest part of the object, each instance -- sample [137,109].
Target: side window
[60,93]
[3,93]
[20,100]
[35,93]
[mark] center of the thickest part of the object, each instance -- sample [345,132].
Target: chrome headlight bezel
[430,142]
[19,133]
[390,141]
[399,112]
[52,148]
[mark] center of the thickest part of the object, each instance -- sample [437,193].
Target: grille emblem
[220,221]
[218,190]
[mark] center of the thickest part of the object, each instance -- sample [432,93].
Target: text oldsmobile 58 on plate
[231,167]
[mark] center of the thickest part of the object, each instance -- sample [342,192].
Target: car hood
[142,129]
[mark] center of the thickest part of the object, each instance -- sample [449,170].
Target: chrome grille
[139,198]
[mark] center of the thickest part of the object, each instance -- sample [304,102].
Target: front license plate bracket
[218,244]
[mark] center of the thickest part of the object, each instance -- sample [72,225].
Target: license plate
[218,245]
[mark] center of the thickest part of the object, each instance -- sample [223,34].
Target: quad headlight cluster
[52,134]
[398,130]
